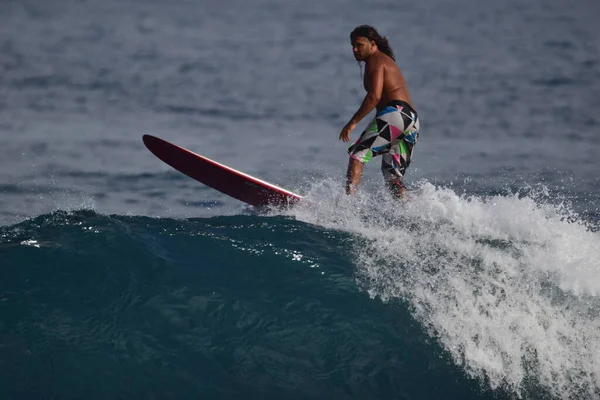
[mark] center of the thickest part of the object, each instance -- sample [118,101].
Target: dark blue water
[224,307]
[122,278]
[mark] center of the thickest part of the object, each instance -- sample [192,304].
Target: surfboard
[232,182]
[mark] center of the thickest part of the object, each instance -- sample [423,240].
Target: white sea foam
[508,285]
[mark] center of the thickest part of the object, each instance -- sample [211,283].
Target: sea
[122,278]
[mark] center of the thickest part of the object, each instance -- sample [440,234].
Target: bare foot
[397,189]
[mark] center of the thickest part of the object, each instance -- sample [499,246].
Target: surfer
[394,131]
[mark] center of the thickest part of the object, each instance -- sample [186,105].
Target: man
[394,131]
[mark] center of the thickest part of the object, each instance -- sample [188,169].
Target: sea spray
[507,284]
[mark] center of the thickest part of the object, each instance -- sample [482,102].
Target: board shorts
[393,134]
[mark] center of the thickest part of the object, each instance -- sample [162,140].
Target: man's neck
[373,53]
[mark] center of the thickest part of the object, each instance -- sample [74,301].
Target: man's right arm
[374,86]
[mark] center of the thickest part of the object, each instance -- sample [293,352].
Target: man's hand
[345,133]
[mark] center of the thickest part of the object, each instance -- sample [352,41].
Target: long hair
[371,33]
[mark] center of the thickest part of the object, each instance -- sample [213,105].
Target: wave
[503,287]
[508,284]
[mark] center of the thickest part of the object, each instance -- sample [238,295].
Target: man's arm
[374,86]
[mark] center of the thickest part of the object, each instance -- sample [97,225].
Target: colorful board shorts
[393,134]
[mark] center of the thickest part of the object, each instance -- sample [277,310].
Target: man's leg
[393,169]
[354,175]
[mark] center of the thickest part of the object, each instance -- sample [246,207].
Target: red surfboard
[221,177]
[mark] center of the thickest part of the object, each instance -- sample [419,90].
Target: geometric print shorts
[393,134]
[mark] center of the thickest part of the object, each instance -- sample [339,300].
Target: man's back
[394,85]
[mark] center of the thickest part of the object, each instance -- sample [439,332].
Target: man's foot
[397,188]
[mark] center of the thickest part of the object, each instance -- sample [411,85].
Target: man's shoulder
[380,60]
[376,61]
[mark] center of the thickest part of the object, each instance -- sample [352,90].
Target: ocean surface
[121,278]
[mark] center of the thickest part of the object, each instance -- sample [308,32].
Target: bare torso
[394,85]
